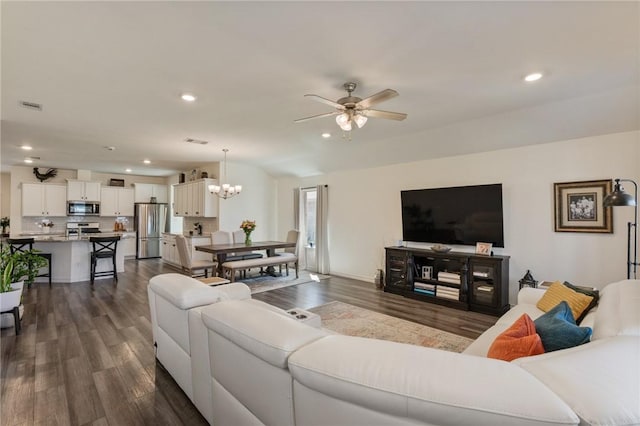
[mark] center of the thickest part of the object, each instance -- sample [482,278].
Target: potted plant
[15,268]
[5,222]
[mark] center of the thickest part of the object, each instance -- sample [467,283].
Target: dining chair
[221,237]
[188,264]
[290,254]
[238,238]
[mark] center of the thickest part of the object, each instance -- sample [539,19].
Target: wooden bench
[242,265]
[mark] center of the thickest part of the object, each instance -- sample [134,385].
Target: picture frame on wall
[484,248]
[579,207]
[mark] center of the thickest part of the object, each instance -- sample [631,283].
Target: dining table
[222,250]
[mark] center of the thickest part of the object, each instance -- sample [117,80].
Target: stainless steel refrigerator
[150,222]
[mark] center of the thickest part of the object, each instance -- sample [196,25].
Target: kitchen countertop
[61,238]
[173,234]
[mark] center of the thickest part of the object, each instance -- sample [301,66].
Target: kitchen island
[71,256]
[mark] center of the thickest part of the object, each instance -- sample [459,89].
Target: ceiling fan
[352,109]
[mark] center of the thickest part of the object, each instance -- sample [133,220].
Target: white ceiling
[111,74]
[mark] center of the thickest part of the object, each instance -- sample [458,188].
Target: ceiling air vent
[199,142]
[31,105]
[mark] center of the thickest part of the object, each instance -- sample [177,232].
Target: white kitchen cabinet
[169,250]
[116,202]
[193,199]
[42,199]
[145,191]
[79,190]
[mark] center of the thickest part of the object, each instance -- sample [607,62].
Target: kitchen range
[76,229]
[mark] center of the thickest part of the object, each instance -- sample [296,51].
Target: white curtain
[322,229]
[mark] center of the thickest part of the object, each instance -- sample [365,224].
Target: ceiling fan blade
[326,101]
[377,98]
[385,114]
[327,114]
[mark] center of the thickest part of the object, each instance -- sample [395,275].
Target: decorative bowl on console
[440,248]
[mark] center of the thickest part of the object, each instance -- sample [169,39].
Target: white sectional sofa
[265,368]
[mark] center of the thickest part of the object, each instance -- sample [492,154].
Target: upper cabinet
[79,190]
[41,199]
[116,201]
[193,199]
[144,192]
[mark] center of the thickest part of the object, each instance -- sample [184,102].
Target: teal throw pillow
[558,329]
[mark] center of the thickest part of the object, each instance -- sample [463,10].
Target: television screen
[461,215]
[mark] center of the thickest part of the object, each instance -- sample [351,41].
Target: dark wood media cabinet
[459,280]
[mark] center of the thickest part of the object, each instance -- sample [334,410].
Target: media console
[459,280]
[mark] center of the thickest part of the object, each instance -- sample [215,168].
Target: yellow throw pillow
[558,292]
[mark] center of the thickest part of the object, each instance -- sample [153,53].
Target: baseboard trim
[352,276]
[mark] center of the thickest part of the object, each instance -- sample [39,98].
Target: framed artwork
[579,207]
[484,248]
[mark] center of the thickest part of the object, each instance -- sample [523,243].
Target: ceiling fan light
[346,126]
[342,119]
[360,120]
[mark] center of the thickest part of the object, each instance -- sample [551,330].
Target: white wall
[365,215]
[5,194]
[256,202]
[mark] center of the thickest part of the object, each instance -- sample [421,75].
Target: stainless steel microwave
[79,208]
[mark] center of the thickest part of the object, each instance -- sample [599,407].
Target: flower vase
[247,238]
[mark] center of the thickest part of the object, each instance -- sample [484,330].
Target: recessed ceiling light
[533,77]
[188,97]
[26,147]
[326,135]
[128,170]
[28,160]
[147,161]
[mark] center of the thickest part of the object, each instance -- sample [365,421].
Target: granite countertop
[186,235]
[61,238]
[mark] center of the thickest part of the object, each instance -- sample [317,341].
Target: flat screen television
[461,215]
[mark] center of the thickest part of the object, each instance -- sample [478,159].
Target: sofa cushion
[558,330]
[426,385]
[588,292]
[558,292]
[517,341]
[618,313]
[600,381]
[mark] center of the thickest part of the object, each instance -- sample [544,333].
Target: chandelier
[225,191]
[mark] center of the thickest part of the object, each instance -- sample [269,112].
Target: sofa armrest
[424,384]
[530,296]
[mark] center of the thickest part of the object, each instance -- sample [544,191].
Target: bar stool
[103,248]
[26,244]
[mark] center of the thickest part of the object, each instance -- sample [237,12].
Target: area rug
[350,320]
[262,283]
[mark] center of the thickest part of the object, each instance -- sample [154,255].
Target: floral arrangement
[248,226]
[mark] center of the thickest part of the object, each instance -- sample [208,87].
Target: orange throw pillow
[517,341]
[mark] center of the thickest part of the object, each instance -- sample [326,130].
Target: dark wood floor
[85,355]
